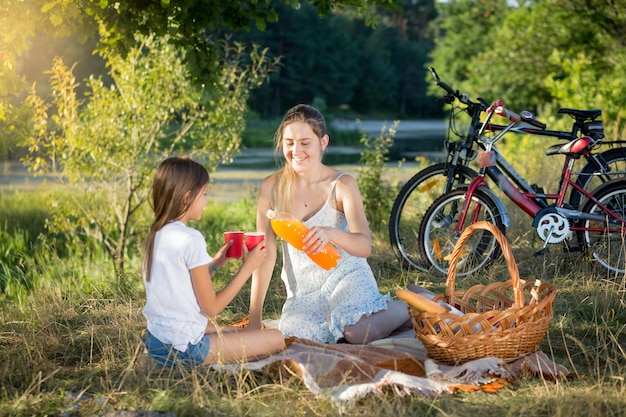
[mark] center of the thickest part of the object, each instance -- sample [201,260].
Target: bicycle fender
[499,204]
[503,211]
[611,183]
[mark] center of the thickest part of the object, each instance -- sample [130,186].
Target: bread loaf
[419,302]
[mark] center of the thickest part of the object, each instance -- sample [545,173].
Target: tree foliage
[17,24]
[539,55]
[462,31]
[190,24]
[341,61]
[109,145]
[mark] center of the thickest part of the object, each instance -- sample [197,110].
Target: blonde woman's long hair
[174,177]
[283,190]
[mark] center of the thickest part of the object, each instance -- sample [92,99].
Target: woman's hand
[317,238]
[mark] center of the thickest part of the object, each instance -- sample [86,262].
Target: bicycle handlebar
[584,119]
[528,117]
[463,98]
[441,84]
[525,116]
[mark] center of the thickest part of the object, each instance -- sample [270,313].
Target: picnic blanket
[346,373]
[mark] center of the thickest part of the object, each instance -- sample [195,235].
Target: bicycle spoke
[606,241]
[408,210]
[430,184]
[438,235]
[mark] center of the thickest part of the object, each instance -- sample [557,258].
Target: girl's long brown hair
[283,191]
[177,181]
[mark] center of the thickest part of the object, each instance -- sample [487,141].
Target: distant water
[412,138]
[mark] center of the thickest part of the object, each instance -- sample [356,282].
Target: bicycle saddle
[586,114]
[574,148]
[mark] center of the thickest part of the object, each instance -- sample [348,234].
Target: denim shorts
[167,355]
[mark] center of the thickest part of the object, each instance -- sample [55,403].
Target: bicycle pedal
[541,252]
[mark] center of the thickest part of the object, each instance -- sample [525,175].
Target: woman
[325,306]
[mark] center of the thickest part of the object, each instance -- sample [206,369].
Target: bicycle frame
[477,128]
[559,134]
[524,197]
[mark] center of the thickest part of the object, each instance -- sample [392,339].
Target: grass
[70,339]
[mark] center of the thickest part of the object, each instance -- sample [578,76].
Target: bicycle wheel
[604,166]
[605,241]
[410,205]
[437,233]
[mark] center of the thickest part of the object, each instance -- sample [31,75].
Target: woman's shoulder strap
[334,184]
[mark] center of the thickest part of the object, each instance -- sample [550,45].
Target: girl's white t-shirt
[172,310]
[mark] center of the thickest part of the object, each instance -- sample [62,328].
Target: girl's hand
[220,257]
[256,256]
[316,239]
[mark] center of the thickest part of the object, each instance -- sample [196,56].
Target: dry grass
[71,345]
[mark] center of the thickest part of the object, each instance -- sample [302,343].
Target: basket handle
[506,250]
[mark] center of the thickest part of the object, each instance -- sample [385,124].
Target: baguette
[420,303]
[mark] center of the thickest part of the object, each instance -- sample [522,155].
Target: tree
[463,30]
[341,61]
[317,60]
[539,55]
[517,63]
[191,22]
[320,59]
[190,25]
[584,88]
[575,59]
[379,83]
[410,56]
[13,42]
[108,146]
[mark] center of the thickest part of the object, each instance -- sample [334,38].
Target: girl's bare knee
[276,339]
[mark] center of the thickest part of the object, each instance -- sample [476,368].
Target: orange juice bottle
[293,231]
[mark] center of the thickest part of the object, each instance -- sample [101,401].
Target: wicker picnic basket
[502,319]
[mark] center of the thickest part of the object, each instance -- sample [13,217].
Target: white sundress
[319,302]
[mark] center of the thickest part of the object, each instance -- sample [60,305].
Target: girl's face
[301,146]
[198,204]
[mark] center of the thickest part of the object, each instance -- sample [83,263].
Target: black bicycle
[417,194]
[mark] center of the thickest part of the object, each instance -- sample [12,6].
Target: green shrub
[378,197]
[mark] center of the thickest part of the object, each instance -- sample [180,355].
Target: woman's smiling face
[301,146]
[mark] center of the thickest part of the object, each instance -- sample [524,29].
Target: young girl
[180,296]
[325,306]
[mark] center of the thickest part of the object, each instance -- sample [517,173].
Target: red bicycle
[599,223]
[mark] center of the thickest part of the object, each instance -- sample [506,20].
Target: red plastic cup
[236,250]
[253,238]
